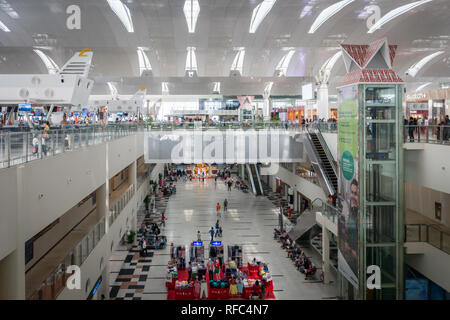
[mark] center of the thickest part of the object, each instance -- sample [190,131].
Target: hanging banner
[348,158]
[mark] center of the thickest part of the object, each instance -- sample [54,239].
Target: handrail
[259,179]
[251,178]
[326,149]
[428,233]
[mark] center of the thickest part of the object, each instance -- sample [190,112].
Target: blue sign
[198,243]
[216,243]
[84,112]
[25,107]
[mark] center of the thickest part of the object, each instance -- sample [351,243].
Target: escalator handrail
[326,149]
[250,176]
[259,179]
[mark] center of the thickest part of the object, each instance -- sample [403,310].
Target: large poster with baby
[348,158]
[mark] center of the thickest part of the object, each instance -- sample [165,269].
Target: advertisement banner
[348,158]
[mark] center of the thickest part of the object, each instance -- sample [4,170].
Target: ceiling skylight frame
[191,59]
[216,88]
[260,13]
[415,68]
[395,13]
[283,65]
[51,65]
[123,13]
[238,62]
[113,90]
[165,87]
[419,88]
[327,13]
[144,62]
[3,27]
[191,11]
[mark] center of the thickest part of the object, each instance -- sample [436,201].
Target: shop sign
[416,96]
[198,243]
[216,243]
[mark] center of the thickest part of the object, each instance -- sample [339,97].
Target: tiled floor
[249,222]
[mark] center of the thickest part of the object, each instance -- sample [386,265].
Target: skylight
[328,13]
[112,90]
[165,87]
[191,11]
[123,13]
[216,87]
[3,27]
[329,64]
[283,65]
[395,13]
[268,88]
[415,68]
[191,59]
[51,66]
[259,13]
[6,7]
[423,86]
[308,9]
[238,62]
[144,63]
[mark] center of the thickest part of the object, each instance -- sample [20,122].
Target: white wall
[8,211]
[331,140]
[429,167]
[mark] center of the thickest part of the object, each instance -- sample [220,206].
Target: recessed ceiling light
[123,13]
[191,11]
[395,13]
[328,13]
[259,13]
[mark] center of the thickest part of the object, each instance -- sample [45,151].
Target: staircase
[322,161]
[255,179]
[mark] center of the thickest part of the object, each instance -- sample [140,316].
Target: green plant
[130,237]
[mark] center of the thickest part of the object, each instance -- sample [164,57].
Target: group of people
[418,126]
[296,254]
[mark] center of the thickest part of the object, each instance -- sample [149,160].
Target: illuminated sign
[25,107]
[216,243]
[198,243]
[416,96]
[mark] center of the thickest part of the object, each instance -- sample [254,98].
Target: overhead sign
[216,243]
[198,243]
[307,92]
[416,96]
[24,107]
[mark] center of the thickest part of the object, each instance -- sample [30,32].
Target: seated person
[310,271]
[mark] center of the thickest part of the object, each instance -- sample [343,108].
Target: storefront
[438,111]
[417,106]
[296,114]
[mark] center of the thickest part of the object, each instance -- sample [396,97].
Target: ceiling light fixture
[415,68]
[3,27]
[191,11]
[51,66]
[395,13]
[423,86]
[283,65]
[328,13]
[144,63]
[216,87]
[191,59]
[259,13]
[123,13]
[238,62]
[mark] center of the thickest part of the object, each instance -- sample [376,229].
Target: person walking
[217,228]
[211,232]
[218,210]
[144,247]
[225,205]
[230,183]
[199,236]
[163,220]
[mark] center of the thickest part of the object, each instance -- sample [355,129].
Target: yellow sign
[83,51]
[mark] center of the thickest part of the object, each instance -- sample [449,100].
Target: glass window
[381,95]
[380,224]
[381,180]
[383,257]
[380,113]
[380,141]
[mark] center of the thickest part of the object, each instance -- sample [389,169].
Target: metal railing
[429,234]
[25,146]
[56,281]
[327,210]
[439,134]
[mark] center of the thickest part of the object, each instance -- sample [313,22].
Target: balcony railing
[438,134]
[57,279]
[116,208]
[429,234]
[24,146]
[327,210]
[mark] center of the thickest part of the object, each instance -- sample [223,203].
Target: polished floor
[249,222]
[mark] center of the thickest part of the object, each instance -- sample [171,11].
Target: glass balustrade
[428,233]
[57,279]
[116,208]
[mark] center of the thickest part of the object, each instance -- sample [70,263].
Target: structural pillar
[322,102]
[267,111]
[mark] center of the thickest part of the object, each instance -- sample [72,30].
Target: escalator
[322,161]
[255,179]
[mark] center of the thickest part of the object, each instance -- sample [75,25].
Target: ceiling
[223,25]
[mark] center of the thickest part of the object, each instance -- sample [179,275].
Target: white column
[325,254]
[267,111]
[322,102]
